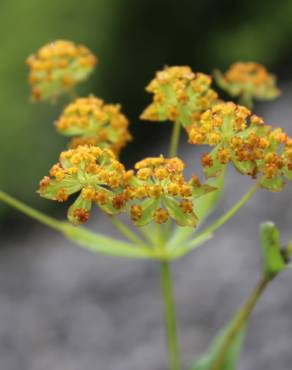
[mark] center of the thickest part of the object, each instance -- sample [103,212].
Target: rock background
[62,308]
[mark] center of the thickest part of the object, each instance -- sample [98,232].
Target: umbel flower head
[276,162]
[247,81]
[157,190]
[244,139]
[57,67]
[92,122]
[179,95]
[92,172]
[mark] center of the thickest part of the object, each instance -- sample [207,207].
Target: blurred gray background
[62,308]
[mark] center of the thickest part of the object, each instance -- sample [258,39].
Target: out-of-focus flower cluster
[157,190]
[57,67]
[248,81]
[244,139]
[92,122]
[179,95]
[91,171]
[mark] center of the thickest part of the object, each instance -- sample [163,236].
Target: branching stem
[239,321]
[174,139]
[228,215]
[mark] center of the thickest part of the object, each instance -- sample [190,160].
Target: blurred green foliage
[132,39]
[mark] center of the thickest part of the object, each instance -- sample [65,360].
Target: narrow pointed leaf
[182,218]
[273,261]
[148,208]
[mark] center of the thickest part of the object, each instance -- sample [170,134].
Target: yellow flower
[158,191]
[253,147]
[94,173]
[57,67]
[179,94]
[236,135]
[92,122]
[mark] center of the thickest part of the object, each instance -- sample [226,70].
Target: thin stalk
[246,100]
[174,139]
[31,212]
[126,231]
[228,215]
[239,321]
[170,316]
[160,236]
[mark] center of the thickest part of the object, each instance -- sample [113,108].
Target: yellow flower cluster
[57,67]
[244,139]
[274,163]
[248,80]
[157,190]
[92,122]
[92,171]
[179,95]
[220,123]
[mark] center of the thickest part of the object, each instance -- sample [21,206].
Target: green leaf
[148,208]
[204,189]
[229,362]
[81,205]
[273,261]
[275,184]
[69,184]
[103,244]
[175,211]
[217,168]
[203,207]
[243,167]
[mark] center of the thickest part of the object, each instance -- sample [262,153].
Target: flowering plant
[165,208]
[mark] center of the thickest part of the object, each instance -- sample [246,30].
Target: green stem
[246,100]
[174,139]
[31,212]
[238,322]
[127,232]
[226,216]
[170,316]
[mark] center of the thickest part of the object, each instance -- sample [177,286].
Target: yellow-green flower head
[276,162]
[225,127]
[92,122]
[91,171]
[179,95]
[57,67]
[248,80]
[243,139]
[157,190]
